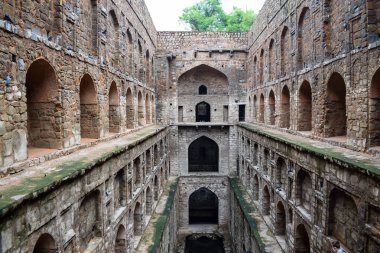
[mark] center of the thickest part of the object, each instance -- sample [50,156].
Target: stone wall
[309,191]
[99,209]
[305,45]
[49,48]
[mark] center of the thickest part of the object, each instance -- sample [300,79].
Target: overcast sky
[165,13]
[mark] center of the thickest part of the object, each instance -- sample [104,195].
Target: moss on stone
[32,187]
[247,209]
[162,219]
[326,153]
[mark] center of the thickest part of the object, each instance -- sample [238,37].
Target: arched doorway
[138,220]
[43,111]
[280,219]
[130,110]
[302,242]
[148,109]
[203,155]
[149,201]
[45,244]
[374,109]
[266,201]
[272,108]
[305,107]
[141,113]
[285,107]
[202,112]
[120,245]
[89,111]
[203,207]
[336,118]
[343,219]
[114,109]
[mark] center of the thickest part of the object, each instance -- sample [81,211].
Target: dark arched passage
[203,207]
[203,155]
[45,244]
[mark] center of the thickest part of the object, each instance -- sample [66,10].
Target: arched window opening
[254,109]
[203,155]
[203,113]
[262,109]
[89,219]
[130,110]
[147,66]
[137,172]
[305,29]
[120,189]
[280,173]
[280,219]
[156,188]
[374,110]
[305,107]
[89,111]
[153,109]
[271,63]
[265,201]
[130,52]
[272,108]
[42,108]
[266,161]
[45,244]
[336,118]
[256,188]
[302,241]
[285,107]
[343,220]
[203,207]
[114,109]
[261,70]
[148,109]
[202,90]
[149,201]
[120,240]
[304,190]
[138,220]
[141,113]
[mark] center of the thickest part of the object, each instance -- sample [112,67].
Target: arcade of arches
[117,138]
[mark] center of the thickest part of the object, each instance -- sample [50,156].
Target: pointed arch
[304,33]
[305,107]
[302,241]
[89,110]
[262,109]
[280,225]
[203,207]
[114,109]
[148,109]
[45,244]
[203,155]
[271,62]
[120,240]
[43,110]
[272,108]
[265,201]
[203,112]
[141,113]
[285,107]
[130,109]
[138,221]
[374,110]
[336,118]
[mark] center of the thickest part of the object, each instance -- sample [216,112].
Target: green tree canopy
[208,15]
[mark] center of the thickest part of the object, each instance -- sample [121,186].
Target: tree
[208,15]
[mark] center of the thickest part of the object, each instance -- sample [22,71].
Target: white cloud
[165,13]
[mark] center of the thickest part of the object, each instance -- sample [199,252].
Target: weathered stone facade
[117,138]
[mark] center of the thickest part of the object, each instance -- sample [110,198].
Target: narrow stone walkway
[344,156]
[33,181]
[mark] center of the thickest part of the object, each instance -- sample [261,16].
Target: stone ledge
[155,230]
[264,238]
[52,174]
[342,156]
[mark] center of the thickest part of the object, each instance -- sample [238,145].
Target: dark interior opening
[203,112]
[203,207]
[241,112]
[204,244]
[203,155]
[202,90]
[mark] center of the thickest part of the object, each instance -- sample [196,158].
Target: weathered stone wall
[99,210]
[49,48]
[307,197]
[304,45]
